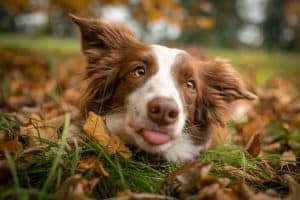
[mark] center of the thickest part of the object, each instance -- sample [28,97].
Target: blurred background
[40,47]
[41,71]
[250,24]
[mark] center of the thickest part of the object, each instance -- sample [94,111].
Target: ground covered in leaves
[46,152]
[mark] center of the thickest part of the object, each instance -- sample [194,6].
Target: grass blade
[58,157]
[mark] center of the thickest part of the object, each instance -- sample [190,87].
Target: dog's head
[150,94]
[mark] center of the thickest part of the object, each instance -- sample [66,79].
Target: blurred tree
[152,10]
[282,25]
[13,8]
[211,22]
[274,23]
[291,33]
[207,22]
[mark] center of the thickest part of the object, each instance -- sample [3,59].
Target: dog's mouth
[154,137]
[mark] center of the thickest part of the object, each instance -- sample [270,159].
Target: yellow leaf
[95,127]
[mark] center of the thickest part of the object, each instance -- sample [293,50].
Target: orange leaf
[95,127]
[94,164]
[10,146]
[253,147]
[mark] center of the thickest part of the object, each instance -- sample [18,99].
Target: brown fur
[112,52]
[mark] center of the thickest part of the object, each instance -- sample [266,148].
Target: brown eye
[190,84]
[138,72]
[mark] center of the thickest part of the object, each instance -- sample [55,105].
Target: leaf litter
[261,163]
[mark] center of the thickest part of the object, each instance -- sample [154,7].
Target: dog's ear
[101,44]
[224,81]
[222,85]
[99,35]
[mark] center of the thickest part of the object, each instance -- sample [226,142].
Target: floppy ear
[225,81]
[100,35]
[101,43]
[222,85]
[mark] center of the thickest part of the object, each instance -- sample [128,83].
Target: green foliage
[9,127]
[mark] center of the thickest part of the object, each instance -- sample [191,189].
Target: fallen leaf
[71,95]
[241,174]
[95,127]
[256,126]
[288,158]
[246,193]
[186,168]
[76,187]
[143,196]
[92,163]
[271,147]
[216,192]
[36,132]
[253,147]
[294,187]
[12,146]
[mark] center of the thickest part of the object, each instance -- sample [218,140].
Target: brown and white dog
[160,99]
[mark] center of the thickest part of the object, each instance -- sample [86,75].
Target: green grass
[265,64]
[52,48]
[42,175]
[42,44]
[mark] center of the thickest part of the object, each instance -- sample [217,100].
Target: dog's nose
[163,111]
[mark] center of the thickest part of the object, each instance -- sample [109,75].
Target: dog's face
[152,95]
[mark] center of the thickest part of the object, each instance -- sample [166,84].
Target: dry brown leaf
[246,193]
[143,196]
[253,147]
[255,126]
[12,146]
[95,127]
[271,147]
[38,128]
[42,131]
[216,192]
[44,120]
[288,158]
[76,187]
[94,164]
[71,95]
[242,174]
[185,169]
[294,187]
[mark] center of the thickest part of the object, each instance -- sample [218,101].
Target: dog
[160,99]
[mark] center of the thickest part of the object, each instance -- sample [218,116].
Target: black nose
[163,111]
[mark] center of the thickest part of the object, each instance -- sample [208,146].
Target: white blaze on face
[161,84]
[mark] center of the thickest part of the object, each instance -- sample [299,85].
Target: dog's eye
[190,84]
[138,72]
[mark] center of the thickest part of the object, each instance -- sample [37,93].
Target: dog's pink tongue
[156,138]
